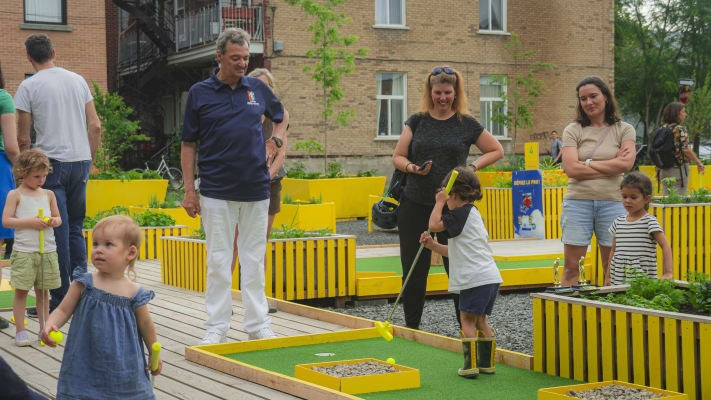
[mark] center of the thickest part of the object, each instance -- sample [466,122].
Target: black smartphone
[424,165]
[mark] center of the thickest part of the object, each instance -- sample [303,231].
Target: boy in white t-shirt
[472,270]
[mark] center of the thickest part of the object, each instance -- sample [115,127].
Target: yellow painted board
[606,344]
[688,357]
[279,270]
[692,241]
[321,267]
[289,266]
[675,240]
[699,233]
[671,354]
[564,339]
[269,272]
[551,333]
[560,392]
[684,245]
[705,360]
[538,335]
[593,341]
[405,378]
[310,281]
[342,274]
[352,266]
[654,351]
[578,343]
[622,346]
[330,245]
[637,324]
[707,240]
[300,270]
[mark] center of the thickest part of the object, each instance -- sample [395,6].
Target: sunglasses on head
[439,70]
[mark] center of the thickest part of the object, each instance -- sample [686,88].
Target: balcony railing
[204,25]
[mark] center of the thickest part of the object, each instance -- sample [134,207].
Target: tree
[118,132]
[522,90]
[332,59]
[698,109]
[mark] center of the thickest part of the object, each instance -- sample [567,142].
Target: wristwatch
[587,162]
[277,141]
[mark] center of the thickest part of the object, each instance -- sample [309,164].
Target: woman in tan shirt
[598,148]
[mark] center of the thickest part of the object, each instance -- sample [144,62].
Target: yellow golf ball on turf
[390,360]
[56,336]
[13,320]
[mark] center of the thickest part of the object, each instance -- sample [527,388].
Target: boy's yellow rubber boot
[470,369]
[485,353]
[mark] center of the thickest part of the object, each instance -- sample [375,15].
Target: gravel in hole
[616,392]
[356,369]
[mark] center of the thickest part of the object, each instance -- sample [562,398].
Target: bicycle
[172,174]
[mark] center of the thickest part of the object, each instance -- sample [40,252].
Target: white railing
[204,25]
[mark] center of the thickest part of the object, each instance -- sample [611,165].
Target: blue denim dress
[104,358]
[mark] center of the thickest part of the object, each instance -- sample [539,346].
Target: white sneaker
[22,339]
[264,333]
[213,338]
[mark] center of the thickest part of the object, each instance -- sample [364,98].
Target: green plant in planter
[673,197]
[289,232]
[315,200]
[512,162]
[645,292]
[145,219]
[699,292]
[503,181]
[546,163]
[334,170]
[122,175]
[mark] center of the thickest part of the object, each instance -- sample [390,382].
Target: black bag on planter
[384,213]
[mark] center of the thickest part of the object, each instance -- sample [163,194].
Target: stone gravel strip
[356,369]
[512,319]
[616,392]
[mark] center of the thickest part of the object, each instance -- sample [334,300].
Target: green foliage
[699,292]
[512,162]
[645,292]
[522,90]
[503,181]
[334,170]
[172,200]
[153,202]
[289,232]
[699,110]
[287,199]
[315,200]
[706,161]
[148,218]
[125,175]
[367,172]
[546,163]
[332,57]
[701,195]
[311,146]
[118,133]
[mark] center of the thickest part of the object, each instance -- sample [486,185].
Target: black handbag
[399,178]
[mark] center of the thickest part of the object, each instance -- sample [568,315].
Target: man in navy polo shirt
[222,125]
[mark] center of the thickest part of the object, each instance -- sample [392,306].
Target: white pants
[219,218]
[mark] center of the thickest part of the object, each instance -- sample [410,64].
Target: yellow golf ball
[390,360]
[13,320]
[56,336]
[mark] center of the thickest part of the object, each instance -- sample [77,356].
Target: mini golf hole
[325,354]
[356,369]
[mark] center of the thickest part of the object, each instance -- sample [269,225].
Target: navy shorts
[479,300]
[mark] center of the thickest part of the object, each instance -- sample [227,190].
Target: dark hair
[612,116]
[2,80]
[466,186]
[639,181]
[39,47]
[671,112]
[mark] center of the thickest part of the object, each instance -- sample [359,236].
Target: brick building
[77,29]
[166,46]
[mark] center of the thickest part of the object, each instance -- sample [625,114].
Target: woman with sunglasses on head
[434,141]
[598,148]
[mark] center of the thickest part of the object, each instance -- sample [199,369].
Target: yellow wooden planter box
[594,341]
[696,180]
[349,194]
[560,392]
[406,378]
[307,268]
[496,209]
[106,194]
[309,217]
[178,213]
[489,179]
[150,245]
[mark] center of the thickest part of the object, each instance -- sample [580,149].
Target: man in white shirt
[68,132]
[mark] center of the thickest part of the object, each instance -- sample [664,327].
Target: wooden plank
[551,334]
[688,358]
[622,343]
[705,360]
[331,274]
[342,274]
[578,343]
[593,343]
[671,355]
[300,281]
[638,353]
[352,262]
[654,351]
[684,245]
[321,264]
[538,335]
[564,339]
[606,347]
[279,270]
[289,266]
[668,212]
[269,272]
[699,234]
[707,240]
[310,272]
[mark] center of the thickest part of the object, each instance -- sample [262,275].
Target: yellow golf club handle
[41,239]
[451,181]
[155,355]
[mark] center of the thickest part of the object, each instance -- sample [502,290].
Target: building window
[389,12]
[46,11]
[492,15]
[491,100]
[392,105]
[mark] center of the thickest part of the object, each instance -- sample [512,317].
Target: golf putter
[383,327]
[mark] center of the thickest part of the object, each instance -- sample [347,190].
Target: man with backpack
[670,151]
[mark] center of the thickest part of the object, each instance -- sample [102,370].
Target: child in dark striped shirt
[635,235]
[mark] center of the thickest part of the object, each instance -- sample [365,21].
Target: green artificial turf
[392,264]
[438,369]
[6,297]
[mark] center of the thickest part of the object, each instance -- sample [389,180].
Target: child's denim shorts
[579,218]
[479,300]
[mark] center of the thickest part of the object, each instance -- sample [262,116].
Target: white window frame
[390,24]
[389,97]
[487,124]
[490,31]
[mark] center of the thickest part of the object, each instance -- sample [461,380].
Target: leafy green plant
[315,200]
[503,181]
[153,202]
[90,222]
[122,175]
[546,163]
[287,199]
[289,232]
[645,292]
[367,172]
[118,133]
[334,170]
[555,180]
[145,219]
[701,195]
[699,292]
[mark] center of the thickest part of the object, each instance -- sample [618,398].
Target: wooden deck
[179,316]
